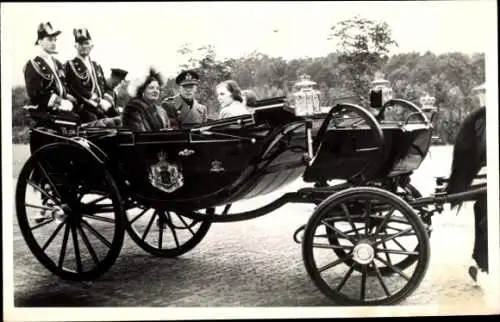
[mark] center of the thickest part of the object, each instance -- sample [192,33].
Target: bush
[20,134]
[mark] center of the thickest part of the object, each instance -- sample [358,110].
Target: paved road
[249,264]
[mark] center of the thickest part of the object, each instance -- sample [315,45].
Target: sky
[134,36]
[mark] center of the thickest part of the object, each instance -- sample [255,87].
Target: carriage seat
[108,122]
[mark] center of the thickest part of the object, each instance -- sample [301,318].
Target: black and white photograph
[228,160]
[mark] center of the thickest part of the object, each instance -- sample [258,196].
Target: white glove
[105,105]
[66,105]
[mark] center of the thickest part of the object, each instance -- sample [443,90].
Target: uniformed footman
[46,88]
[115,81]
[44,75]
[86,81]
[183,109]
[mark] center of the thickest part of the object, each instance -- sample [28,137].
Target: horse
[469,156]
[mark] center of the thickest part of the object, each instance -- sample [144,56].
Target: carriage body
[190,170]
[223,162]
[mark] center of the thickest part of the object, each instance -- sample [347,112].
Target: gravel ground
[253,264]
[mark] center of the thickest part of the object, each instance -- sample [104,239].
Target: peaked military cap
[81,35]
[120,73]
[45,30]
[187,77]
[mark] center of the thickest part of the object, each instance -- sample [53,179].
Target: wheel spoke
[363,283]
[63,246]
[160,235]
[335,263]
[393,228]
[385,247]
[104,219]
[96,233]
[381,280]
[51,183]
[170,225]
[88,245]
[332,246]
[399,252]
[395,241]
[384,221]
[96,209]
[42,224]
[348,215]
[54,234]
[367,217]
[346,277]
[138,216]
[391,237]
[185,224]
[93,202]
[395,269]
[76,248]
[149,226]
[386,253]
[337,231]
[42,191]
[39,207]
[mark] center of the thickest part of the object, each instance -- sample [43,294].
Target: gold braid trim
[85,76]
[47,76]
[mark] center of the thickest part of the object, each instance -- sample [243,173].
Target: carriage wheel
[397,260]
[62,215]
[165,233]
[364,251]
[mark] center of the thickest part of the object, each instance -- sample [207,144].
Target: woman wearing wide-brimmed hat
[143,112]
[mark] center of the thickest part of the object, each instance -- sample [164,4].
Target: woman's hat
[136,83]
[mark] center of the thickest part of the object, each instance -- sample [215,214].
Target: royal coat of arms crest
[165,176]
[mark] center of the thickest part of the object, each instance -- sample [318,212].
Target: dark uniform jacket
[42,82]
[89,87]
[139,116]
[181,113]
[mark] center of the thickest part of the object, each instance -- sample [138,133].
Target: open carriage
[366,243]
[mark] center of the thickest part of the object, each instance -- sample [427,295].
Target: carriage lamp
[427,103]
[480,92]
[380,93]
[305,98]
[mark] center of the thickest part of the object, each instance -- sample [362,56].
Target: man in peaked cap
[44,75]
[183,108]
[87,83]
[115,81]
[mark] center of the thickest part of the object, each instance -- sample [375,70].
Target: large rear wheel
[70,212]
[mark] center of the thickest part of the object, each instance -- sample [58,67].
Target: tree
[364,46]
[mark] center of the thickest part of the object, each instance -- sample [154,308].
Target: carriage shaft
[448,198]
